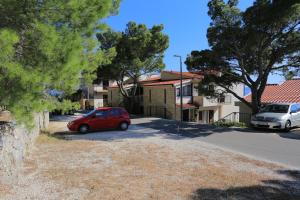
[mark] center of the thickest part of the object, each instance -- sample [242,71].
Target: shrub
[229,124]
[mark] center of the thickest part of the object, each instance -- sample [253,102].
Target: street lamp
[180,58]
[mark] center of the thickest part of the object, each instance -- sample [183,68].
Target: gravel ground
[143,163]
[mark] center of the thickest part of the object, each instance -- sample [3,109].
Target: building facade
[95,95]
[161,98]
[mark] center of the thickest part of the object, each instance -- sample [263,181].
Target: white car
[277,116]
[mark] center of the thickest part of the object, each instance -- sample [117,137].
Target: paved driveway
[274,146]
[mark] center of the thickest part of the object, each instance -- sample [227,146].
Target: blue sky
[185,22]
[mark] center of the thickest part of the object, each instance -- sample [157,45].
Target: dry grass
[138,171]
[142,169]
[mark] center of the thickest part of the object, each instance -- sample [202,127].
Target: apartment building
[95,95]
[160,97]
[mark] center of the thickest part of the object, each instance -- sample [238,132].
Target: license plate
[262,123]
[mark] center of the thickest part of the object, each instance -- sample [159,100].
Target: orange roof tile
[157,78]
[186,74]
[287,92]
[172,82]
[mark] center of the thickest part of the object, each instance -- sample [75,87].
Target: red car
[101,118]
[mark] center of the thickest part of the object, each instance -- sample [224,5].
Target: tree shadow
[194,130]
[184,129]
[291,135]
[269,189]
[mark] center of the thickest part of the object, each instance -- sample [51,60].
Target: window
[89,113]
[178,92]
[276,108]
[150,96]
[294,108]
[298,107]
[165,96]
[101,113]
[222,99]
[115,112]
[186,91]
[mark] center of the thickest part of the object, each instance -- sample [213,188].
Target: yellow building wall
[157,104]
[114,97]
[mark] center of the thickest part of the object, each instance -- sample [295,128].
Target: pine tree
[46,45]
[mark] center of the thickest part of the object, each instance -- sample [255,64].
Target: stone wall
[15,142]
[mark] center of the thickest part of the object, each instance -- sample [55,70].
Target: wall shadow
[268,190]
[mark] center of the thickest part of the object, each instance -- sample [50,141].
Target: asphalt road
[274,146]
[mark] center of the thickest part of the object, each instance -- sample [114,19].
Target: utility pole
[181,104]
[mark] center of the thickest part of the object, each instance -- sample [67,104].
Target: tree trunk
[255,101]
[132,103]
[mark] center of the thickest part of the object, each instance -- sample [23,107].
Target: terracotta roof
[186,74]
[287,92]
[172,82]
[157,78]
[187,105]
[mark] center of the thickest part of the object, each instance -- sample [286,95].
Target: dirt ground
[154,167]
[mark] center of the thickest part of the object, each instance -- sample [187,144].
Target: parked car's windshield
[89,113]
[276,108]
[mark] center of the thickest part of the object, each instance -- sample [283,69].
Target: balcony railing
[222,100]
[237,117]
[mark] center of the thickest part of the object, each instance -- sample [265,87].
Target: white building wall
[185,100]
[222,109]
[98,103]
[227,109]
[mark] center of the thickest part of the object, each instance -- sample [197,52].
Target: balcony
[100,88]
[198,101]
